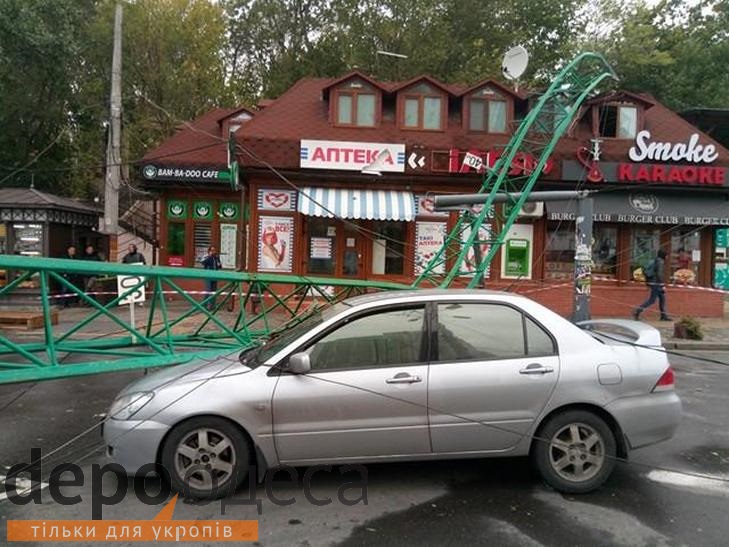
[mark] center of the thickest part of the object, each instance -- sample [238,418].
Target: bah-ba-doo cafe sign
[648,157]
[352,156]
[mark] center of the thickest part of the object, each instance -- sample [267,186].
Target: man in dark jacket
[654,278]
[211,262]
[133,256]
[68,296]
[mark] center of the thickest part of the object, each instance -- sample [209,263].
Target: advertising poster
[275,236]
[484,233]
[228,244]
[429,238]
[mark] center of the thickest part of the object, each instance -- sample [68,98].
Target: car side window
[471,331]
[539,343]
[381,339]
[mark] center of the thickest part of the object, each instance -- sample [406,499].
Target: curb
[697,346]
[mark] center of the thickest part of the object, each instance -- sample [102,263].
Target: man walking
[654,279]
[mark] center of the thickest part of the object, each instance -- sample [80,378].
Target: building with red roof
[337,177]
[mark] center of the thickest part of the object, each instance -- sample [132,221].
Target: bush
[689,328]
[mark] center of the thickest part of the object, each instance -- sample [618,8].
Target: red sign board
[452,161]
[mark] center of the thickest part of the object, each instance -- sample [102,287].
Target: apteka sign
[352,156]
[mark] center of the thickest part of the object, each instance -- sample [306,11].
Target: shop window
[28,239]
[203,239]
[423,108]
[559,258]
[176,236]
[604,250]
[644,244]
[322,244]
[685,255]
[617,121]
[388,248]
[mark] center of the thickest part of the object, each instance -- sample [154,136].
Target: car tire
[574,451]
[206,458]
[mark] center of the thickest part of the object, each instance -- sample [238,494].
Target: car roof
[384,296]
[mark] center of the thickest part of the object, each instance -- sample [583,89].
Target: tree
[275,42]
[40,46]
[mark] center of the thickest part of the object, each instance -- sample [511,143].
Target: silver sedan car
[410,375]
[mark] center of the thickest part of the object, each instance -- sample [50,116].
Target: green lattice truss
[175,326]
[481,233]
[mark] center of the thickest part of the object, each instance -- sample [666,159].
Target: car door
[493,371]
[366,394]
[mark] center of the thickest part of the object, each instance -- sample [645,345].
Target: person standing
[90,255]
[133,256]
[75,279]
[211,262]
[654,278]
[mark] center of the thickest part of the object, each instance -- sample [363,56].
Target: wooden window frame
[420,97]
[596,120]
[354,93]
[486,100]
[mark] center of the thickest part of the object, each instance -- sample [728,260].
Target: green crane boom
[536,137]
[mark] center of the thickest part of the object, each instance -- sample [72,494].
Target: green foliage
[182,57]
[689,328]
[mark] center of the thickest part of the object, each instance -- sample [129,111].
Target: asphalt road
[649,501]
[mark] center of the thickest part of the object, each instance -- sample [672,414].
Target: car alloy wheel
[206,457]
[577,452]
[574,451]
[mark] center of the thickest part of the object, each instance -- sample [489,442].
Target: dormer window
[617,121]
[487,111]
[356,104]
[422,107]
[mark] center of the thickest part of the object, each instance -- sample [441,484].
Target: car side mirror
[299,363]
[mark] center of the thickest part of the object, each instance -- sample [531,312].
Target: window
[423,108]
[357,108]
[539,343]
[604,250]
[176,239]
[479,332]
[487,115]
[617,121]
[388,248]
[379,340]
[644,244]
[559,257]
[685,255]
[203,239]
[322,244]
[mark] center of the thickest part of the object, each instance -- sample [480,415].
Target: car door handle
[536,368]
[404,379]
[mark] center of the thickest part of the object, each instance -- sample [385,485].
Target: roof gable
[423,78]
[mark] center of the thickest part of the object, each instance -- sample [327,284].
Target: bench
[29,319]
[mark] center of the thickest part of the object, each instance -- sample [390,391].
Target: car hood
[194,371]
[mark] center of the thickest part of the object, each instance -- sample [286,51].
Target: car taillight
[666,381]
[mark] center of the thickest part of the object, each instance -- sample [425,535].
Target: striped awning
[362,204]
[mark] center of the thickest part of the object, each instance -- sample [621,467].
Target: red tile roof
[302,112]
[197,143]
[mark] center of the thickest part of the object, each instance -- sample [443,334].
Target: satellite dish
[515,62]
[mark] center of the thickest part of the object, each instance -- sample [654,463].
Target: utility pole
[583,260]
[113,150]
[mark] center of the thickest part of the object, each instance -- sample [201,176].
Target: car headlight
[128,405]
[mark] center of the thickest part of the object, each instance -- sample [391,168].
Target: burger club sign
[649,157]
